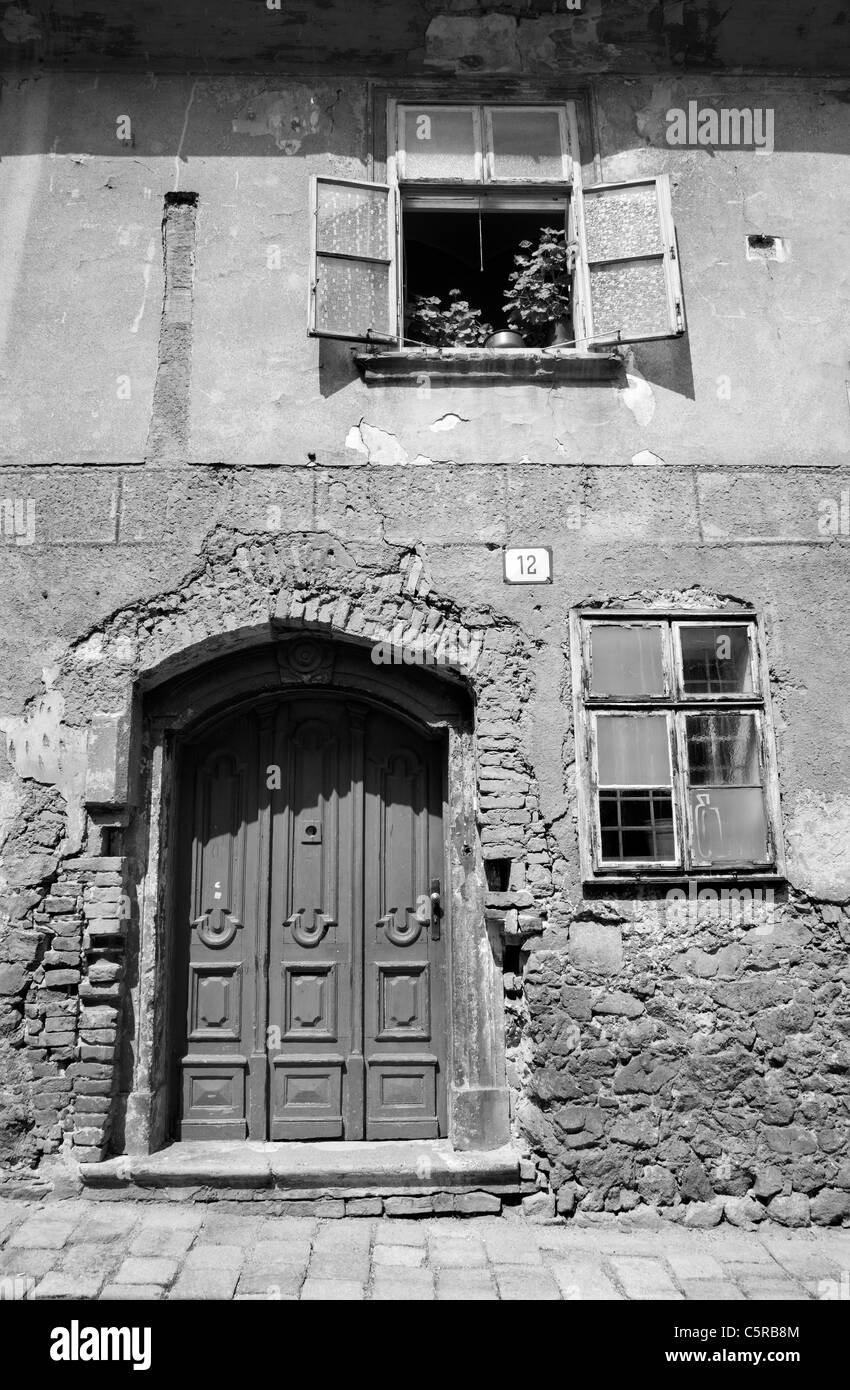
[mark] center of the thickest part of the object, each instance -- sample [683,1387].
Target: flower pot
[504,339]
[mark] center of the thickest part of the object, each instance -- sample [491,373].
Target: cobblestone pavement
[169,1250]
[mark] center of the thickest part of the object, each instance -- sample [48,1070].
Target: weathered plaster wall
[760,376]
[623,35]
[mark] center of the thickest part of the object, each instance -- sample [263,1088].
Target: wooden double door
[313,941]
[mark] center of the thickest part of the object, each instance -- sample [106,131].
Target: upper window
[482,144]
[675,745]
[483,228]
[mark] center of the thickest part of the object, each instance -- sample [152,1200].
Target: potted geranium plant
[538,301]
[453,324]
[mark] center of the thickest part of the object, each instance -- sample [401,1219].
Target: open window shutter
[352,286]
[628,287]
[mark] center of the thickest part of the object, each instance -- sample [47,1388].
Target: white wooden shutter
[627,282]
[352,281]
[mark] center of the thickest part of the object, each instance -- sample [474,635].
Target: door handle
[436,909]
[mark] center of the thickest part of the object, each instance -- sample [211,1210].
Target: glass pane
[715,660]
[626,660]
[723,750]
[729,825]
[438,143]
[633,750]
[622,223]
[352,297]
[636,825]
[526,144]
[352,220]
[630,296]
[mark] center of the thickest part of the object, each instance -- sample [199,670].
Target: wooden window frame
[668,255]
[482,125]
[677,705]
[390,261]
[446,194]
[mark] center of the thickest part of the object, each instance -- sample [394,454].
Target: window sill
[741,878]
[487,364]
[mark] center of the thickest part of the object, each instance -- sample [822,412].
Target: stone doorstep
[316,1170]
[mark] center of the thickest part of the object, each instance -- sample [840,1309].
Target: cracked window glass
[725,788]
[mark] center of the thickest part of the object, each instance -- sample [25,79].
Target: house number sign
[528,564]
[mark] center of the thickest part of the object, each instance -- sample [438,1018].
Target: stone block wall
[62,986]
[702,1070]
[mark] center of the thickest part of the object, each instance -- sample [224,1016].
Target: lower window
[675,745]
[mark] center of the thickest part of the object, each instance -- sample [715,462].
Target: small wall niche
[761,246]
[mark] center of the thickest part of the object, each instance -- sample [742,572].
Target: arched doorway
[310,944]
[427,717]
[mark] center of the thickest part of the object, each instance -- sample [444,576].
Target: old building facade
[314,825]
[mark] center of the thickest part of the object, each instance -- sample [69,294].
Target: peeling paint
[638,397]
[19,26]
[354,440]
[379,446]
[818,836]
[485,44]
[288,117]
[40,746]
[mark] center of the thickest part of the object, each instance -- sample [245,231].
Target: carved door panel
[313,1044]
[405,938]
[222,795]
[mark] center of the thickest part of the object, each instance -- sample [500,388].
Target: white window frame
[677,705]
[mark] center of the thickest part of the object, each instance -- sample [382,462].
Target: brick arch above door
[143,673]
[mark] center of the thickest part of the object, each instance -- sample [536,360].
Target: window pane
[723,750]
[630,296]
[715,660]
[438,143]
[351,220]
[622,222]
[729,825]
[526,144]
[626,660]
[636,825]
[352,297]
[633,750]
